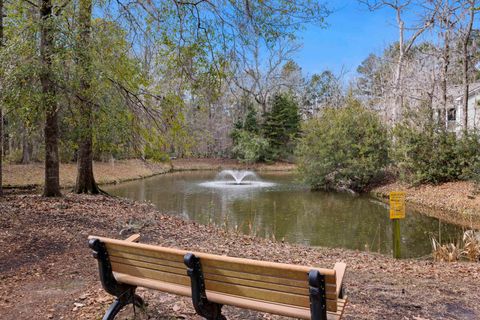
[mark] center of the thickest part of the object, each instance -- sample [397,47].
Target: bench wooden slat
[126,255]
[133,238]
[274,308]
[154,284]
[153,266]
[256,284]
[271,269]
[129,248]
[152,274]
[258,294]
[255,277]
[340,272]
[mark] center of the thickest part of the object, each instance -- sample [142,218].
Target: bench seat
[231,300]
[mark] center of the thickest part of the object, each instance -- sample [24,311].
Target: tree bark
[27,148]
[1,105]
[445,64]
[466,39]
[85,179]
[49,102]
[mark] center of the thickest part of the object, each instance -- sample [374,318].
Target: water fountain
[237,175]
[237,179]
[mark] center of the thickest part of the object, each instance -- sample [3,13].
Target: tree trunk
[26,149]
[49,102]
[1,105]
[466,39]
[85,179]
[398,85]
[442,121]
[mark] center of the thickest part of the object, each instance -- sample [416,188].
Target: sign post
[397,212]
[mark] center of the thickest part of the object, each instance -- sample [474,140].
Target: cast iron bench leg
[119,303]
[125,293]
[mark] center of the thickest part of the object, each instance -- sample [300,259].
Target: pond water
[284,209]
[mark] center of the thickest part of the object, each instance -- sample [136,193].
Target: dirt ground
[47,271]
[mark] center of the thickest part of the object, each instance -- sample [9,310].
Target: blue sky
[353,33]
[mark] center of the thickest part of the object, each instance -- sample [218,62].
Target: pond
[282,208]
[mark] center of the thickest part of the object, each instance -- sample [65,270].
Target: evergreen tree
[282,124]
[251,124]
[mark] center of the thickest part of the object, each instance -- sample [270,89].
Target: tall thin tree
[85,179]
[447,20]
[49,100]
[407,36]
[1,106]
[470,9]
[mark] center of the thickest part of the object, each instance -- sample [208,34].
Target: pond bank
[31,175]
[47,269]
[453,202]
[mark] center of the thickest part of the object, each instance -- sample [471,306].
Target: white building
[454,114]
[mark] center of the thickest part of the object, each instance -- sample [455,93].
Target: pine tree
[282,124]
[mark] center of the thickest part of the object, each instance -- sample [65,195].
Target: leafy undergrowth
[47,271]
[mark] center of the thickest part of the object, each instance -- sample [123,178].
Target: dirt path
[47,272]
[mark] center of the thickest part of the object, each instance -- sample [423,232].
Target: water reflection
[287,210]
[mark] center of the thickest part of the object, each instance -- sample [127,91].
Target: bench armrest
[133,238]
[340,272]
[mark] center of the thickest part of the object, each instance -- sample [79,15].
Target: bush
[429,154]
[425,155]
[250,147]
[345,148]
[468,151]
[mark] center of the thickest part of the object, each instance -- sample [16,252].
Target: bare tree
[407,35]
[447,20]
[468,15]
[258,70]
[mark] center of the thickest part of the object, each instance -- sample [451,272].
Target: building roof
[456,92]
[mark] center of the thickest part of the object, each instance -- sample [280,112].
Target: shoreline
[31,175]
[452,202]
[48,269]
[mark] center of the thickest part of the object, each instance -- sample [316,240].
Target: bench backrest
[227,279]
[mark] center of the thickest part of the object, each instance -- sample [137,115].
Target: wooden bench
[213,280]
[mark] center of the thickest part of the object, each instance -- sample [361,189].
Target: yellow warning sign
[397,205]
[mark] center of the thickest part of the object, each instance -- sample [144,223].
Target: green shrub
[345,148]
[250,147]
[468,152]
[425,154]
[155,154]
